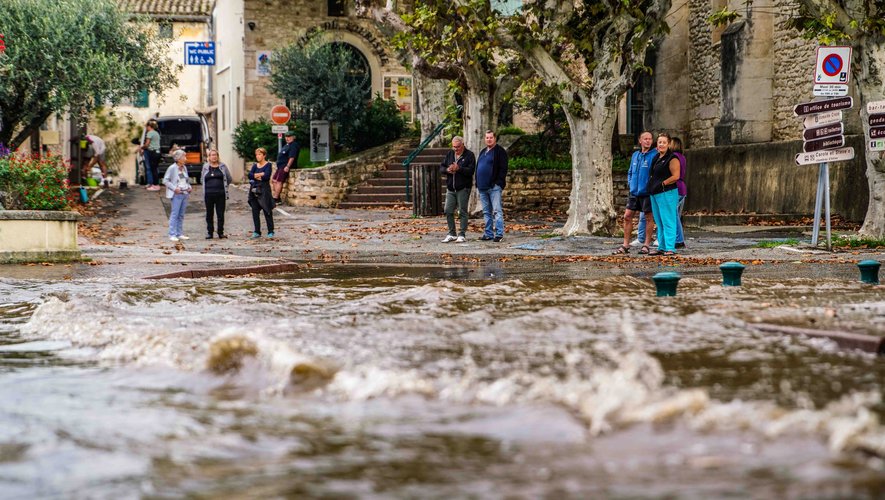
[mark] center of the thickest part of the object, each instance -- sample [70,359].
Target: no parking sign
[833,65]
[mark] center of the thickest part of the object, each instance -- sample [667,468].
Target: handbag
[255,189]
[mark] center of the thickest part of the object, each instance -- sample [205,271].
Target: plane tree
[589,51]
[72,55]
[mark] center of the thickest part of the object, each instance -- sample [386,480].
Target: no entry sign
[833,65]
[280,114]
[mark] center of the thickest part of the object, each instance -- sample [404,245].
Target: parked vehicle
[190,133]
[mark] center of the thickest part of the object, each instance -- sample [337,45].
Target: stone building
[729,92]
[250,30]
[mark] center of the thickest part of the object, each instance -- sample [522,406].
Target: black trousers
[256,220]
[215,202]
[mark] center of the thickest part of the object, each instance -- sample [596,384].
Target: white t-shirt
[97,144]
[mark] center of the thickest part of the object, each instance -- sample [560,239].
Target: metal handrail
[414,154]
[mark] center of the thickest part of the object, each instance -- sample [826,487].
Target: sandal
[668,253]
[623,249]
[644,250]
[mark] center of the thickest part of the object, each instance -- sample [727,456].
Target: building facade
[250,30]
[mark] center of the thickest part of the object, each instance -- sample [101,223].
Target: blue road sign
[199,53]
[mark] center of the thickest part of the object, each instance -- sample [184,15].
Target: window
[237,104]
[337,8]
[166,30]
[223,114]
[636,108]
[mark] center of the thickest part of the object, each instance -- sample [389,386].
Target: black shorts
[639,203]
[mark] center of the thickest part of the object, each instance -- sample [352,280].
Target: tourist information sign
[877,120]
[828,155]
[834,142]
[876,145]
[809,108]
[811,134]
[822,119]
[876,107]
[877,133]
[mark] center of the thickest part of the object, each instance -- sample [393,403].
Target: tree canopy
[72,55]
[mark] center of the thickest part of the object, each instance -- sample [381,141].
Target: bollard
[666,283]
[869,271]
[731,273]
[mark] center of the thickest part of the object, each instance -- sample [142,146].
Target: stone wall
[326,186]
[764,179]
[279,23]
[704,93]
[793,62]
[549,190]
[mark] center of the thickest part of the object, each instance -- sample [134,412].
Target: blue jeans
[665,208]
[680,235]
[492,211]
[176,216]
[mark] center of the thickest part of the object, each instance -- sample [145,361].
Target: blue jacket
[640,166]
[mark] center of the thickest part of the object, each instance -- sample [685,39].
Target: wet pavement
[127,237]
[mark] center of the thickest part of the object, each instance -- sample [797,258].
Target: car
[190,133]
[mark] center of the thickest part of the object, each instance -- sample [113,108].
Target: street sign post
[199,53]
[876,107]
[809,108]
[834,142]
[279,129]
[280,114]
[833,65]
[821,119]
[828,155]
[811,134]
[829,90]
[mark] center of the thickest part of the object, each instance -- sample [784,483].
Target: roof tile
[168,7]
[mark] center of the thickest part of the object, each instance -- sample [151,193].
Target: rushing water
[379,383]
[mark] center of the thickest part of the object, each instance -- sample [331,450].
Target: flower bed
[35,225]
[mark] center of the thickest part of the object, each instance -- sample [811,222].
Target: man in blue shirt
[287,159]
[491,178]
[638,200]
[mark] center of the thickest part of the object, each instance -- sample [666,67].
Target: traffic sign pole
[823,198]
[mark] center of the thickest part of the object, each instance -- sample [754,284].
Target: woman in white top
[178,189]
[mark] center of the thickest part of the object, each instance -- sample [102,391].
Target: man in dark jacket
[458,166]
[491,178]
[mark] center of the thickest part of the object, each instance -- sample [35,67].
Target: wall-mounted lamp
[251,25]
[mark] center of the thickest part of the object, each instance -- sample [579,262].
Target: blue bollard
[869,271]
[84,195]
[666,283]
[731,273]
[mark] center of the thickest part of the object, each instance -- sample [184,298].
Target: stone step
[367,189]
[387,181]
[393,174]
[357,205]
[386,198]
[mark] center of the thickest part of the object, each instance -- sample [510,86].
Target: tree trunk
[591,210]
[432,102]
[480,114]
[871,87]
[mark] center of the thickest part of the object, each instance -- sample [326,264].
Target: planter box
[38,236]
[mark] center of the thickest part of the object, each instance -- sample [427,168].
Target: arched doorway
[360,74]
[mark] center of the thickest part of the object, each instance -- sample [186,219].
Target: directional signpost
[876,126]
[824,139]
[199,53]
[280,115]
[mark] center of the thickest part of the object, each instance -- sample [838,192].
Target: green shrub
[620,164]
[251,135]
[39,183]
[380,123]
[523,163]
[511,130]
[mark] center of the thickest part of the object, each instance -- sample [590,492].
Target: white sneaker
[635,243]
[183,237]
[173,238]
[449,238]
[461,239]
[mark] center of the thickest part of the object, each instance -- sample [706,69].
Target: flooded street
[347,381]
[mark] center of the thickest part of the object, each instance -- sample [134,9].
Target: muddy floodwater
[387,383]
